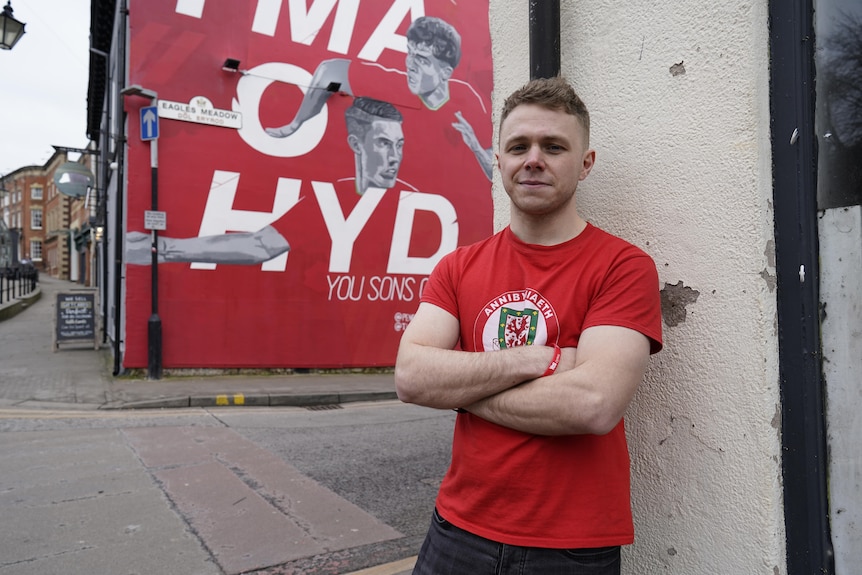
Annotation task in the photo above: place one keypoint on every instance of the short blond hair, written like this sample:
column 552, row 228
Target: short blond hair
column 553, row 93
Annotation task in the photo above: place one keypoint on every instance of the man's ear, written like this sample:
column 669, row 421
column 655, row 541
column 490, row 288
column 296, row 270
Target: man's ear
column 447, row 72
column 354, row 144
column 589, row 162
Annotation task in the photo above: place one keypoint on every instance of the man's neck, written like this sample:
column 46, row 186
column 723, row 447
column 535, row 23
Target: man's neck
column 437, row 98
column 547, row 230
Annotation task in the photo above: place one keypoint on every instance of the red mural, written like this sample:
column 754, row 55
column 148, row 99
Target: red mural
column 309, row 193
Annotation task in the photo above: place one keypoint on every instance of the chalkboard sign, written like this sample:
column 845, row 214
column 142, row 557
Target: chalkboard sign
column 75, row 318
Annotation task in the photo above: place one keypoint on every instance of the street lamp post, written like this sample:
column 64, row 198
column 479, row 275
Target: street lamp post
column 11, row 29
column 154, row 325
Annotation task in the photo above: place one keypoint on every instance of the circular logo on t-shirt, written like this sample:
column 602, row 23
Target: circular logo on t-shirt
column 522, row 317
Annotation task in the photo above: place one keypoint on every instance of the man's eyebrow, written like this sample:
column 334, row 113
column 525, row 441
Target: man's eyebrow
column 543, row 140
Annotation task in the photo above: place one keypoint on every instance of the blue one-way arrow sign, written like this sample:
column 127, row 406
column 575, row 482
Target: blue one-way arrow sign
column 149, row 123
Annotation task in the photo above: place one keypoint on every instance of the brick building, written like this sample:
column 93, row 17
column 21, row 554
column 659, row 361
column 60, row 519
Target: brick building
column 45, row 227
column 57, row 207
column 23, row 212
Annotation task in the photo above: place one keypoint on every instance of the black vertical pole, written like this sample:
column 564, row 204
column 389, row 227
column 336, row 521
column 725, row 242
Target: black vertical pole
column 794, row 157
column 102, row 217
column 154, row 325
column 544, row 38
column 120, row 188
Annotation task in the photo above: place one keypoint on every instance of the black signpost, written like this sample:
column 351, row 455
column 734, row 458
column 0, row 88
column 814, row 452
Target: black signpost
column 75, row 318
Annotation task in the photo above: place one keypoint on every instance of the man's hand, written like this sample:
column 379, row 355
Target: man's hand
column 589, row 392
column 467, row 132
column 485, row 157
column 429, row 372
column 270, row 242
column 568, row 358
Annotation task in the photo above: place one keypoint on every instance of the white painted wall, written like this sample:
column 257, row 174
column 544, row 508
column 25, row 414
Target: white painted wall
column 684, row 171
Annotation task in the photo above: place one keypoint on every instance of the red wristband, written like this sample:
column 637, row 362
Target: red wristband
column 555, row 361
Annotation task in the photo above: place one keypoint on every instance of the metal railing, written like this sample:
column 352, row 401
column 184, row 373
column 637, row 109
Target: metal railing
column 17, row 282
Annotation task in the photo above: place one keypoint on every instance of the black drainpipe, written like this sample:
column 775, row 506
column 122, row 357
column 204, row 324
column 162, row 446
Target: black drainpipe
column 105, row 172
column 120, row 189
column 105, row 144
column 544, row 38
column 794, row 169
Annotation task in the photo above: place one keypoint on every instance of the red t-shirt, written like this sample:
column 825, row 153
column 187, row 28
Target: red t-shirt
column 523, row 489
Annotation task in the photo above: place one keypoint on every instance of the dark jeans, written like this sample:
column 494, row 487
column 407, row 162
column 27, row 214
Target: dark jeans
column 449, row 550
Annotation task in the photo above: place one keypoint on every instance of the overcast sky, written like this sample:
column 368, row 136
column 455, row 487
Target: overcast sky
column 43, row 82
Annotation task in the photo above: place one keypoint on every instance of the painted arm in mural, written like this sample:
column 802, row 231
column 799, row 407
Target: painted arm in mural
column 328, row 74
column 485, row 156
column 243, row 248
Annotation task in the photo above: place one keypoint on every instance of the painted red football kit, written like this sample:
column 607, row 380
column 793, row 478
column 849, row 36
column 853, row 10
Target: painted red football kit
column 432, row 130
column 523, row 489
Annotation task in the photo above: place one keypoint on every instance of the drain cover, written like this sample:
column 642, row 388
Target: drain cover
column 324, row 407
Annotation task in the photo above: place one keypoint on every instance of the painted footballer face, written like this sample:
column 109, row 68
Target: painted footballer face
column 380, row 153
column 425, row 72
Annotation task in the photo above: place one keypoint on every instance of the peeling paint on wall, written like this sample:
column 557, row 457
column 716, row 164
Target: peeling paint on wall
column 677, row 69
column 769, row 279
column 674, row 298
column 769, row 252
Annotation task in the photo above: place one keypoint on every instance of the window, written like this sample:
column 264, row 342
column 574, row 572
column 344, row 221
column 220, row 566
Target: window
column 839, row 93
column 36, row 193
column 36, row 219
column 36, row 250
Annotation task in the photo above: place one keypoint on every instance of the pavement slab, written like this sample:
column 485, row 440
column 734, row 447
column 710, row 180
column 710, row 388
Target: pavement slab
column 75, row 503
column 230, row 491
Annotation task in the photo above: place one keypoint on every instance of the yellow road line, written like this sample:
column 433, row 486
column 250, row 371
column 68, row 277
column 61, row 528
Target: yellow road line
column 224, row 399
